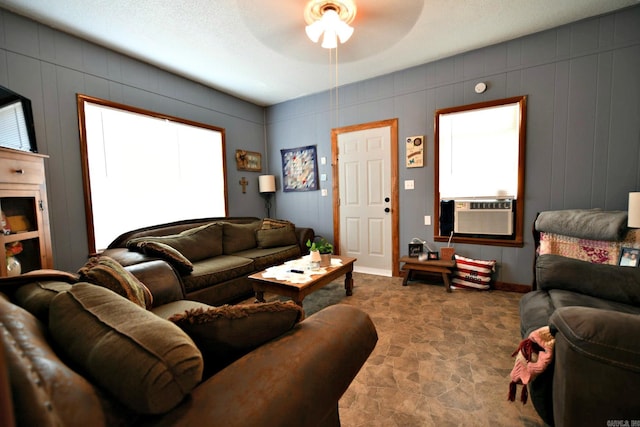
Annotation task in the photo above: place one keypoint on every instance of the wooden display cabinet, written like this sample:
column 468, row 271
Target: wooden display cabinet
column 23, row 201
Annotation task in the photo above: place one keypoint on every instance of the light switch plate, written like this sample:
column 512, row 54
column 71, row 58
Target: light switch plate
column 323, row 177
column 323, row 160
column 408, row 184
column 324, row 192
column 427, row 220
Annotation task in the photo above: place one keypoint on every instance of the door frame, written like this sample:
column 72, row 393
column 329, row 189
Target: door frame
column 395, row 198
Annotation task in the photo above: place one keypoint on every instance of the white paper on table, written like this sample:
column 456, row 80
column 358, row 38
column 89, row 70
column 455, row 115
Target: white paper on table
column 283, row 272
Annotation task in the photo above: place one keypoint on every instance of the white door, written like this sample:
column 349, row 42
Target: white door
column 365, row 199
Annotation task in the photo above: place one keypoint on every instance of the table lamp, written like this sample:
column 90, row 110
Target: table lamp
column 267, row 187
column 633, row 214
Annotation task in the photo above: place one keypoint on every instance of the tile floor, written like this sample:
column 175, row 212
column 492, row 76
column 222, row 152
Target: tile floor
column 442, row 359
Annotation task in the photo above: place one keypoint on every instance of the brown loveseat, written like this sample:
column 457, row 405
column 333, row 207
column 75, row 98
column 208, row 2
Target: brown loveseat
column 220, row 254
column 79, row 354
column 592, row 306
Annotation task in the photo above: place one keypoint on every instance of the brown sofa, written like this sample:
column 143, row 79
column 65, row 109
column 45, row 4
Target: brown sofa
column 79, row 354
column 222, row 254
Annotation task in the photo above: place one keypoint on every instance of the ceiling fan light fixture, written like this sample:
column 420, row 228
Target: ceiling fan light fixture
column 331, row 18
column 314, row 31
column 330, row 40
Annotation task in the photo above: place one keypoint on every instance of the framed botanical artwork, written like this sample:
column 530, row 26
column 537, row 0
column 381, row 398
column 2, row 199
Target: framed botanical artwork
column 248, row 161
column 300, row 169
column 415, row 151
column 629, row 257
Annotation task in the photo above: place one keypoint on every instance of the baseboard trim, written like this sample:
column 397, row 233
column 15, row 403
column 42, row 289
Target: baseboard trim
column 498, row 286
column 511, row 287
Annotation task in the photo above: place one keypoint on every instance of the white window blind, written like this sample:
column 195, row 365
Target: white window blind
column 479, row 153
column 145, row 170
column 13, row 127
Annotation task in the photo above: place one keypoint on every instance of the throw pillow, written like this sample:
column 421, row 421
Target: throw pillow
column 274, row 237
column 270, row 223
column 107, row 272
column 145, row 362
column 169, row 254
column 195, row 244
column 226, row 333
column 472, row 273
column 239, row 237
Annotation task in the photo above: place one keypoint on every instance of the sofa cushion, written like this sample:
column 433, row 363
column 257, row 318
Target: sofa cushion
column 225, row 333
column 275, row 237
column 238, row 237
column 195, row 244
column 472, row 273
column 212, row 271
column 107, row 272
column 145, row 362
column 263, row 258
column 167, row 253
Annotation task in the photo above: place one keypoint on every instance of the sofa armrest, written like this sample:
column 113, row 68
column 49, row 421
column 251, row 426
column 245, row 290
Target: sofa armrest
column 159, row 276
column 304, row 234
column 597, row 366
column 161, row 279
column 296, row 379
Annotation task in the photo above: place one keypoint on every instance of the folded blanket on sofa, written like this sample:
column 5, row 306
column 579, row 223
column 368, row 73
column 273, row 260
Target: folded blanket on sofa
column 594, row 224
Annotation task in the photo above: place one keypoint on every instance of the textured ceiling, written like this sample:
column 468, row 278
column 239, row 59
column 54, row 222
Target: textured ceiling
column 257, row 49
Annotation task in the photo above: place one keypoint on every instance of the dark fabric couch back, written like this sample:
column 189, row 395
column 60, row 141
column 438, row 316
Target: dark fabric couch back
column 174, row 228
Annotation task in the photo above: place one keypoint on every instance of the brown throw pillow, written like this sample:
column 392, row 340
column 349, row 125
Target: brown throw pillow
column 107, row 272
column 195, row 244
column 145, row 362
column 270, row 223
column 226, row 333
column 169, row 254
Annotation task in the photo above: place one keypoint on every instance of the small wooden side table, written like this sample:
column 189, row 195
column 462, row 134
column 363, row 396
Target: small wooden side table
column 443, row 266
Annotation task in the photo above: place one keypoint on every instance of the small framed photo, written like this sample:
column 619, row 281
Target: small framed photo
column 248, row 161
column 415, row 249
column 433, row 256
column 629, row 257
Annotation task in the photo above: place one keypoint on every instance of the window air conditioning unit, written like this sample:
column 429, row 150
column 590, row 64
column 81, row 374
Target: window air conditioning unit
column 494, row 217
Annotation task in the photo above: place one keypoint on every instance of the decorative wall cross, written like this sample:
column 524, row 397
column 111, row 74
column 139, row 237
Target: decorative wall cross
column 244, row 184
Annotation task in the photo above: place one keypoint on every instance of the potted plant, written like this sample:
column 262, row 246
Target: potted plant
column 323, row 247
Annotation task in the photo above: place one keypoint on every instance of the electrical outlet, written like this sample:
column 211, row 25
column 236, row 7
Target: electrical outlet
column 427, row 220
column 409, row 184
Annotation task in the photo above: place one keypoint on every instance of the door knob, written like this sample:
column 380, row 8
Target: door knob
column 386, row 199
column 387, row 210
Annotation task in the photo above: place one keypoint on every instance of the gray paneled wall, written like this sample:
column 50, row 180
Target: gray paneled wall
column 583, row 134
column 51, row 67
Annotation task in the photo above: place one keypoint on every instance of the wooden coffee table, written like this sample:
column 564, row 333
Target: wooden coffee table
column 298, row 291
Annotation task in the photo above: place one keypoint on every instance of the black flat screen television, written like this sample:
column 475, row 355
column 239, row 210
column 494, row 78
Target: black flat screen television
column 16, row 122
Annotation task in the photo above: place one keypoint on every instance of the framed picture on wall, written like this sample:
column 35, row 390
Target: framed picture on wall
column 300, row 169
column 248, row 161
column 629, row 257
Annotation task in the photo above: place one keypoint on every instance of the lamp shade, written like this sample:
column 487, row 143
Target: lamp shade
column 267, row 183
column 633, row 214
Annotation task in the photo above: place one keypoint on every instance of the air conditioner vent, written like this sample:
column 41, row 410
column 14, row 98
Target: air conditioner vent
column 491, row 217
